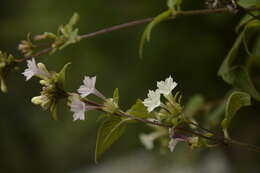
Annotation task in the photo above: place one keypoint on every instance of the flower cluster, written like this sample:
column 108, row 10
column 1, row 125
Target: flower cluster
column 77, row 106
column 52, row 82
column 170, row 112
column 7, row 63
column 165, row 88
column 26, row 47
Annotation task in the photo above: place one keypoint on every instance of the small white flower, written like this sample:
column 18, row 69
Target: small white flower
column 89, row 87
column 172, row 144
column 166, row 87
column 33, row 70
column 153, row 100
column 148, row 139
column 79, row 108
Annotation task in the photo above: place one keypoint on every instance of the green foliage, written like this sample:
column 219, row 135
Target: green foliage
column 249, row 3
column 147, row 32
column 139, row 110
column 116, row 96
column 62, row 76
column 235, row 101
column 236, row 74
column 110, row 131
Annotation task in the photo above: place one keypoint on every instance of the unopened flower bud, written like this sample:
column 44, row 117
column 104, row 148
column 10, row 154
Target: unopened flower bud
column 110, row 106
column 36, row 100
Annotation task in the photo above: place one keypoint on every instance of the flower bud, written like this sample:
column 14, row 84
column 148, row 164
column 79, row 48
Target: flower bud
column 110, row 106
column 36, row 100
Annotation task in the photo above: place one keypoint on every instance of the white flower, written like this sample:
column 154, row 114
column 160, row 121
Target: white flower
column 148, row 139
column 79, row 108
column 89, row 87
column 153, row 100
column 166, row 87
column 33, row 70
column 172, row 144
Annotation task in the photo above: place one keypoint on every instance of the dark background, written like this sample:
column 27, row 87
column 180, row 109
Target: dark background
column 190, row 49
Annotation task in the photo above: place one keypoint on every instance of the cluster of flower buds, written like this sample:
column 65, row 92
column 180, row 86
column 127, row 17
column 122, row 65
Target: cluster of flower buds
column 53, row 85
column 27, row 47
column 7, row 63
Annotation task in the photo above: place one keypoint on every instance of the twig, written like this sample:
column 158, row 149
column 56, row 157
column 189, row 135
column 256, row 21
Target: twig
column 141, row 21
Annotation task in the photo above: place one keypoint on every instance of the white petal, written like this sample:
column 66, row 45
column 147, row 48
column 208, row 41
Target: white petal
column 166, row 87
column 147, row 140
column 33, row 70
column 172, row 144
column 79, row 116
column 152, row 101
column 88, row 86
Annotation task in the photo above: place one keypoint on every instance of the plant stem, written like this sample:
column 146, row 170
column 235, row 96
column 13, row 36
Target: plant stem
column 222, row 141
column 138, row 22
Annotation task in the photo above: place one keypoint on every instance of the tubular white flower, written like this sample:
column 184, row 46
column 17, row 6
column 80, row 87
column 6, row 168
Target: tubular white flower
column 33, row 70
column 166, row 87
column 172, row 144
column 79, row 108
column 148, row 139
column 153, row 100
column 88, row 88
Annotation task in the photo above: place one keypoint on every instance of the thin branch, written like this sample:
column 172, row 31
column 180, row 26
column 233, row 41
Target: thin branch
column 141, row 21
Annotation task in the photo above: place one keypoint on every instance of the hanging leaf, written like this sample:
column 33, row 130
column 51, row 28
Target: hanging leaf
column 111, row 130
column 235, row 101
column 236, row 74
column 147, row 32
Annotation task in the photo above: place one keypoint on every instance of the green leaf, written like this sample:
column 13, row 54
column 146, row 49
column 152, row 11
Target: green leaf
column 73, row 20
column 174, row 4
column 72, row 38
column 235, row 101
column 116, row 96
column 147, row 32
column 139, row 110
column 235, row 74
column 246, row 19
column 249, row 3
column 193, row 105
column 251, row 29
column 62, row 75
column 111, row 130
column 53, row 110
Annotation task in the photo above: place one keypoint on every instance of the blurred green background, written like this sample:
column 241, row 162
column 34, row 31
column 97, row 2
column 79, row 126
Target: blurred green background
column 190, row 49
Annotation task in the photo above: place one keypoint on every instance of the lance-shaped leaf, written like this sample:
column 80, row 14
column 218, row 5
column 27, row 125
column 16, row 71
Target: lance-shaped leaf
column 147, row 32
column 108, row 133
column 116, row 96
column 235, row 101
column 62, row 75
